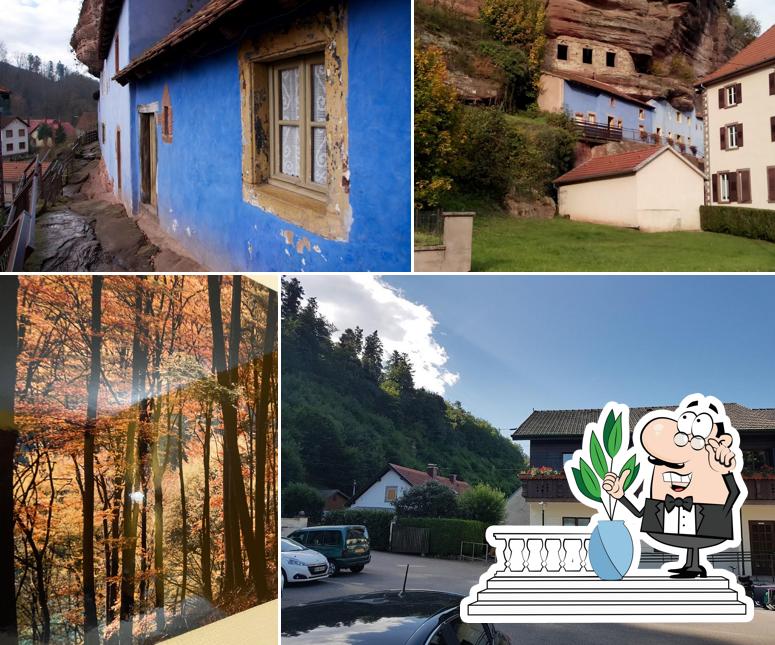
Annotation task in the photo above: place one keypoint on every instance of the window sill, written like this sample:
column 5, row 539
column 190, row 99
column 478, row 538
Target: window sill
column 309, row 213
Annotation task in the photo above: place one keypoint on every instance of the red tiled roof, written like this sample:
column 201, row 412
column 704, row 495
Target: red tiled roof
column 13, row 170
column 418, row 477
column 599, row 85
column 759, row 52
column 610, row 166
column 53, row 123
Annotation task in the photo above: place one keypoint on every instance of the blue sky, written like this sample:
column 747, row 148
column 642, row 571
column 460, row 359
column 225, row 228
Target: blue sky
column 516, row 343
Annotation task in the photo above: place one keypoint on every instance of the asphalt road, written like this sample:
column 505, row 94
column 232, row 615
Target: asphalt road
column 386, row 571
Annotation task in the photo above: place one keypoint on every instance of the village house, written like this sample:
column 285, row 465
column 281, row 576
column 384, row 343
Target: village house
column 739, row 104
column 14, row 136
column 260, row 136
column 38, row 140
column 683, row 129
column 395, row 480
column 12, row 174
column 554, row 435
column 652, row 189
column 333, row 499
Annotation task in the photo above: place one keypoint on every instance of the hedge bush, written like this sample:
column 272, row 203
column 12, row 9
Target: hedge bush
column 447, row 534
column 755, row 223
column 377, row 522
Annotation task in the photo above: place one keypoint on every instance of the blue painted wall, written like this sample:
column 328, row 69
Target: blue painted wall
column 690, row 126
column 583, row 99
column 114, row 110
column 199, row 176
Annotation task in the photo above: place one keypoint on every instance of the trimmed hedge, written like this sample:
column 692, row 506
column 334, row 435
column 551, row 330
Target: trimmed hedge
column 755, row 223
column 377, row 522
column 447, row 534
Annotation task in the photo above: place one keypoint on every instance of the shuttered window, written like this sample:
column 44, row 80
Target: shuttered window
column 744, row 178
column 731, row 136
column 723, row 137
column 722, row 103
column 723, row 181
column 771, row 184
column 714, row 187
column 732, row 179
column 772, row 128
column 772, row 82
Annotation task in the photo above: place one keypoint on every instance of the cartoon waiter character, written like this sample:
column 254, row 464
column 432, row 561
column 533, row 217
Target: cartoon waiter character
column 695, row 491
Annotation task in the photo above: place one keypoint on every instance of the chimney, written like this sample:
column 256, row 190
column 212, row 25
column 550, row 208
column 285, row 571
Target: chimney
column 432, row 470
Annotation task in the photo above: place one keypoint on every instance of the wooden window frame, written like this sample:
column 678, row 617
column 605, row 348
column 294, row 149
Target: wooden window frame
column 722, row 175
column 731, row 95
column 740, row 193
column 304, row 183
column 394, row 489
column 770, row 189
column 731, row 130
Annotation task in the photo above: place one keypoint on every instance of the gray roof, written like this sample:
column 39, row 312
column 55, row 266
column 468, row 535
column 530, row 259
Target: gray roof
column 328, row 492
column 571, row 423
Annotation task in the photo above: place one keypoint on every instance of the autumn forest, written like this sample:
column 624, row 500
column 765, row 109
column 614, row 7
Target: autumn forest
column 138, row 443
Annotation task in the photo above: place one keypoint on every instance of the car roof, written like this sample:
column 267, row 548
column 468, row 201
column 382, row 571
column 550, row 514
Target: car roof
column 386, row 616
column 331, row 527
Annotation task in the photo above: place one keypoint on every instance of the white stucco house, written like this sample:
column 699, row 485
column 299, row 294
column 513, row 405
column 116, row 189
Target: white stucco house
column 395, row 480
column 14, row 136
column 651, row 189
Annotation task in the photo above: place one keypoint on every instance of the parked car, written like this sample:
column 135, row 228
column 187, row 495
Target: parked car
column 346, row 547
column 386, row 617
column 300, row 564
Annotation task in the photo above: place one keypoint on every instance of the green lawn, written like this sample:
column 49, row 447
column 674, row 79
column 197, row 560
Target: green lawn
column 503, row 243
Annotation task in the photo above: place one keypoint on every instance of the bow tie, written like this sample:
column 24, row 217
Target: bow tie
column 684, row 502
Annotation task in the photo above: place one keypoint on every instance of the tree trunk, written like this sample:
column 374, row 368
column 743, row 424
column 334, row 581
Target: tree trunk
column 90, row 625
column 9, row 288
column 131, row 508
column 207, row 579
column 262, row 432
column 183, row 513
column 158, row 524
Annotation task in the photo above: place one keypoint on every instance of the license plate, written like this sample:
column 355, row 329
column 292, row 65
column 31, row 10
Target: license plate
column 359, row 550
column 319, row 569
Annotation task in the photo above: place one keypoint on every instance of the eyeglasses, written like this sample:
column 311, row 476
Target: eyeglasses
column 681, row 439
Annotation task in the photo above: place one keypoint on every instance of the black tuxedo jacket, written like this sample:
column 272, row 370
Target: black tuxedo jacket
column 713, row 520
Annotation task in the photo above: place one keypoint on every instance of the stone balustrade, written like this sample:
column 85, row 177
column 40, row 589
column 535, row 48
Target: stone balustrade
column 542, row 550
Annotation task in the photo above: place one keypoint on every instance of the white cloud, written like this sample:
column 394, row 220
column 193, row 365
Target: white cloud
column 764, row 10
column 369, row 302
column 41, row 27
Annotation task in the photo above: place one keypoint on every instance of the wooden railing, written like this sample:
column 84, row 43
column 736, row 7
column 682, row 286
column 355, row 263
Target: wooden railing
column 18, row 235
column 551, row 487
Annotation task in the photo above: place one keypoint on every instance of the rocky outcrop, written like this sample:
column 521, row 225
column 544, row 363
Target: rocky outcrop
column 662, row 46
column 85, row 38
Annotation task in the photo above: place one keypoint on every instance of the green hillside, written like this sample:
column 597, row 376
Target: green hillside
column 347, row 413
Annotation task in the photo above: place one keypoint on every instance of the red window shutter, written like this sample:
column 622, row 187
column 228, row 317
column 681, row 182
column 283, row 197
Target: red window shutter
column 745, row 186
column 739, row 93
column 771, row 183
column 714, row 186
column 722, row 98
column 772, row 83
column 732, row 176
column 739, row 128
column 723, row 133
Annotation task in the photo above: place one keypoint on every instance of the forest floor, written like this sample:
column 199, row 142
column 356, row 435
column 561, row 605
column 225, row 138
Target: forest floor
column 89, row 230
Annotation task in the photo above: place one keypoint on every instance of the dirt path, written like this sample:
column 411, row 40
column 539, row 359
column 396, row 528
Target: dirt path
column 88, row 230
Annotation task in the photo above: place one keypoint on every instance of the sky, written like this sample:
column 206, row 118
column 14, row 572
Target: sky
column 506, row 345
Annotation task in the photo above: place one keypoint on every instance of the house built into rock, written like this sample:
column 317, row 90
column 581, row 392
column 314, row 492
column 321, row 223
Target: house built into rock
column 261, row 136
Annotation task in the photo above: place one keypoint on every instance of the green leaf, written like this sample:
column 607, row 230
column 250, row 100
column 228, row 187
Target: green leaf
column 632, row 466
column 598, row 456
column 612, row 435
column 631, row 478
column 587, row 482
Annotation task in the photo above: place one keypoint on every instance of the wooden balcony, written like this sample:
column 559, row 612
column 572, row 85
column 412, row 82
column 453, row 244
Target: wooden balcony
column 536, row 488
column 598, row 133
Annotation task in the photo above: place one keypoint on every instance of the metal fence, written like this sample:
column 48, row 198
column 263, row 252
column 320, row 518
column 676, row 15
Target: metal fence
column 599, row 133
column 476, row 551
column 428, row 228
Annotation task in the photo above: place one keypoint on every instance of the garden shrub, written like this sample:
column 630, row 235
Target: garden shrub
column 447, row 534
column 301, row 498
column 755, row 223
column 377, row 522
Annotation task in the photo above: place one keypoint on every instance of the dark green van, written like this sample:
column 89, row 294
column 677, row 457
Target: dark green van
column 346, row 547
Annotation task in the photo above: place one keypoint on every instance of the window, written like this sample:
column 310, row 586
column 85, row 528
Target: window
column 591, row 118
column 391, row 493
column 619, row 124
column 21, row 132
column 678, row 116
column 324, row 538
column 297, row 94
column 103, row 133
column 611, row 122
column 612, row 101
column 22, row 145
column 9, row 147
column 456, row 632
column 575, row 521
column 567, row 456
column 9, row 133
column 586, row 56
column 755, row 459
column 772, row 128
column 688, row 119
column 772, row 83
column 166, row 116
column 641, row 114
column 580, row 117
column 732, row 95
column 724, row 186
column 562, row 52
column 115, row 53
column 731, row 137
column 610, row 59
column 771, row 184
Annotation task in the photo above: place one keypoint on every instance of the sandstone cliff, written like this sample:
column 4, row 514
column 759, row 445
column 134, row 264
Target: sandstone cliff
column 662, row 46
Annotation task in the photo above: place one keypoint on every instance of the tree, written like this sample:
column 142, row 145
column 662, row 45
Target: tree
column 9, row 287
column 484, row 504
column 59, row 135
column 61, row 71
column 398, row 372
column 293, row 294
column 44, row 132
column 744, row 29
column 351, row 342
column 435, row 119
column 301, row 498
column 430, row 499
column 3, row 52
column 372, row 357
column 90, row 624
